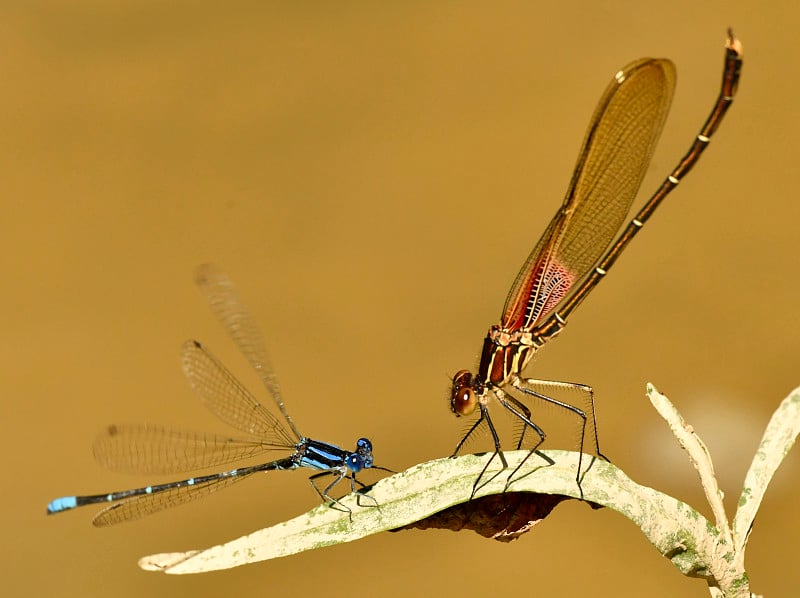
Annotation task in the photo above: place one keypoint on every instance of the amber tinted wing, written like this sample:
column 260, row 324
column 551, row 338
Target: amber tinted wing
column 613, row 160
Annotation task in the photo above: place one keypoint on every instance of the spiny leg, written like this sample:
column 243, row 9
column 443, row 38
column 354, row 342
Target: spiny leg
column 461, row 442
column 339, row 475
column 525, row 387
column 483, row 417
column 585, row 390
column 359, row 494
column 523, row 413
column 497, row 450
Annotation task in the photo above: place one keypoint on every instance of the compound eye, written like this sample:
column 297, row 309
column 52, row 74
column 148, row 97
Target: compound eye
column 355, row 463
column 464, row 401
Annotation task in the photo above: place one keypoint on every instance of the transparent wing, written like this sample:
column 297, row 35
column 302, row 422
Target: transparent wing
column 146, row 504
column 150, row 449
column 228, row 399
column 224, row 300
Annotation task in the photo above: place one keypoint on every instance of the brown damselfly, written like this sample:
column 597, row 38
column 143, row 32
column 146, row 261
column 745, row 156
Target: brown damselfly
column 576, row 251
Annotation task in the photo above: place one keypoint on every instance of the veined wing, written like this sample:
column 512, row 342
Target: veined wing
column 613, row 160
column 140, row 506
column 229, row 400
column 135, row 448
column 224, row 300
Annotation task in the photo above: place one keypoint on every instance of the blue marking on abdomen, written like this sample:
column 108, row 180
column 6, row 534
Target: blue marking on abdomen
column 62, row 504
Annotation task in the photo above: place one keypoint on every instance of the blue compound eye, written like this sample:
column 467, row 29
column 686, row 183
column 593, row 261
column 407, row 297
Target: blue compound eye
column 364, row 444
column 355, row 463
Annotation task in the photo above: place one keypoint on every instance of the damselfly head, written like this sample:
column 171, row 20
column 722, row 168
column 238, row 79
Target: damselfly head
column 362, row 458
column 463, row 399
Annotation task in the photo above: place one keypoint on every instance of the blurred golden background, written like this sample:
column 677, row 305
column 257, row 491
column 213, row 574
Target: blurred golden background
column 372, row 177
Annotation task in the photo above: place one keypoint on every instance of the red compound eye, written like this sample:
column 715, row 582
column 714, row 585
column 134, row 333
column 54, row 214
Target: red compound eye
column 464, row 401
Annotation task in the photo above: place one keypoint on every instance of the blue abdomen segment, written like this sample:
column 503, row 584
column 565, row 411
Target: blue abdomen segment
column 65, row 503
